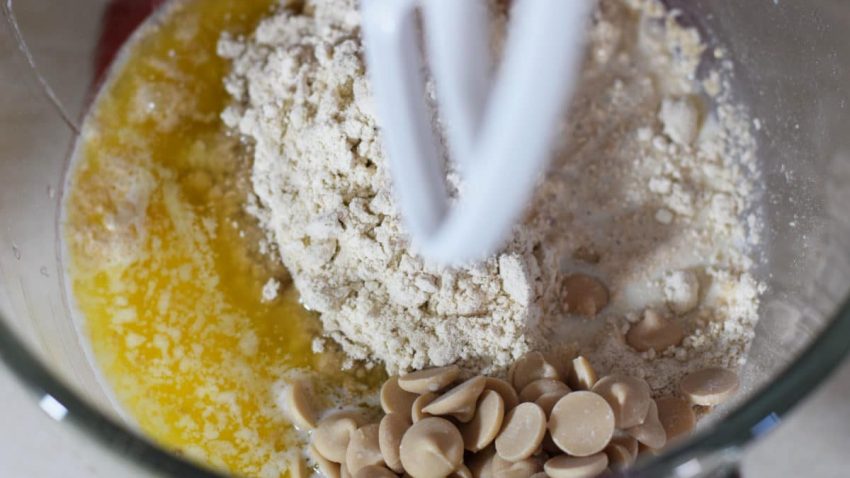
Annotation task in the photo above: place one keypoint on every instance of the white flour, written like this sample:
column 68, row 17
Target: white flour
column 649, row 192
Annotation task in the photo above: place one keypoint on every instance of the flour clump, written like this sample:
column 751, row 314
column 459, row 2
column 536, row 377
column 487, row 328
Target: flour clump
column 640, row 139
column 324, row 195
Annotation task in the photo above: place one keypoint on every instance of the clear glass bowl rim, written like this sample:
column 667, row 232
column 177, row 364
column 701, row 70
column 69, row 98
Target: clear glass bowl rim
column 764, row 407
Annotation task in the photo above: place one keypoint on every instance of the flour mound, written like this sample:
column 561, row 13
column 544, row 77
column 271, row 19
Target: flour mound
column 324, row 192
column 646, row 193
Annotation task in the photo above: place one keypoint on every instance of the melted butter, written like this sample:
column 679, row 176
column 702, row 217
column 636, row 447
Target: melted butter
column 164, row 263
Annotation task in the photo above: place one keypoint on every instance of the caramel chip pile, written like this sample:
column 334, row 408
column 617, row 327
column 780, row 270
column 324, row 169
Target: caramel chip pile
column 532, row 425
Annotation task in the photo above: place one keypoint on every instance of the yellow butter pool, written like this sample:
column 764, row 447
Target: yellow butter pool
column 166, row 268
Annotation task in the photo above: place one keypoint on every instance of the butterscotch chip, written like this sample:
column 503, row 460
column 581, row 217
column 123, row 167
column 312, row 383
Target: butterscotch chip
column 547, row 401
column 582, row 375
column 522, row 432
column 619, row 456
column 562, row 360
column 375, row 472
column 538, row 388
column 505, row 390
column 676, row 416
column 515, row 469
column 333, row 433
column 431, row 447
column 643, row 449
column 429, row 380
column 422, row 401
column 549, row 446
column 532, row 366
column 462, row 472
column 584, row 295
column 326, row 467
column 629, row 397
column 709, row 386
column 394, row 399
column 654, row 332
column 458, row 402
column 481, row 463
column 650, row 432
column 392, row 428
column 539, row 450
column 363, row 449
column 576, row 467
column 299, row 408
column 581, row 423
column 626, row 441
column 485, row 425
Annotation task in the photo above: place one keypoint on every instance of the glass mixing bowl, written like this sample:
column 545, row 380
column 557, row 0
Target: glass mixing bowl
column 792, row 61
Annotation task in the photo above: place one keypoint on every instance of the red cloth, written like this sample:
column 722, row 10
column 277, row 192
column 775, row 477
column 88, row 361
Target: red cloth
column 119, row 22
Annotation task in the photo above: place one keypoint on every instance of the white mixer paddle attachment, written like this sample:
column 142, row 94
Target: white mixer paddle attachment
column 500, row 127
